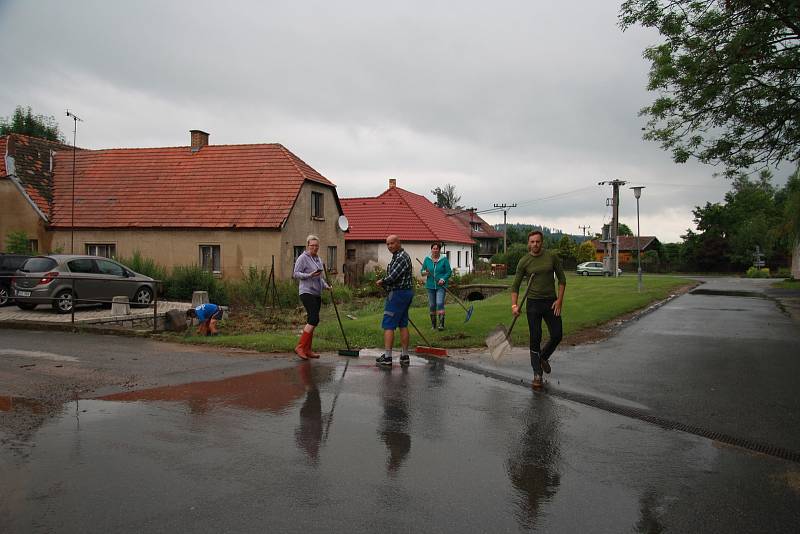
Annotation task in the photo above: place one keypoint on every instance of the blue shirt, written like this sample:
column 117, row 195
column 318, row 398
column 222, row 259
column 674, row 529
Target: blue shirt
column 205, row 311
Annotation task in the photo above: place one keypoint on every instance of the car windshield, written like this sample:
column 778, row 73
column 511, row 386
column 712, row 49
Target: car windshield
column 38, row 265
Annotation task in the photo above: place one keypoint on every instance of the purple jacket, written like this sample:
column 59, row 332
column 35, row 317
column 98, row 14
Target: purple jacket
column 305, row 265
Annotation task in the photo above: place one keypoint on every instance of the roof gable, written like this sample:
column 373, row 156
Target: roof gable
column 218, row 186
column 466, row 219
column 627, row 242
column 396, row 211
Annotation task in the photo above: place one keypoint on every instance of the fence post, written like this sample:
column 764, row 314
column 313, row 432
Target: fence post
column 155, row 307
column 74, row 302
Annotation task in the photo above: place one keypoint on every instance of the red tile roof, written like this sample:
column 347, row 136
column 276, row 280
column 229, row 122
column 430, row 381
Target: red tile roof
column 396, row 211
column 3, row 145
column 219, row 186
column 32, row 165
column 466, row 218
column 627, row 242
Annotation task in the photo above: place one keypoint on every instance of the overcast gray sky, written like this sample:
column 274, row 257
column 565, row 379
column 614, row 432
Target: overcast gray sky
column 508, row 101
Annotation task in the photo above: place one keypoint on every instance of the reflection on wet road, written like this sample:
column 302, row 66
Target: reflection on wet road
column 345, row 446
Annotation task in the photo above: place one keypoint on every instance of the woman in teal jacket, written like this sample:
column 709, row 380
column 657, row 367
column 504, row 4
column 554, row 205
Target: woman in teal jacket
column 437, row 270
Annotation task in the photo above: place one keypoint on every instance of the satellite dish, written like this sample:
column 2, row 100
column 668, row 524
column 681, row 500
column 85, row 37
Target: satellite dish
column 343, row 223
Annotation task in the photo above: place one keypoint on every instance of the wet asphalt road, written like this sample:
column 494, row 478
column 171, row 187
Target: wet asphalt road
column 723, row 358
column 242, row 443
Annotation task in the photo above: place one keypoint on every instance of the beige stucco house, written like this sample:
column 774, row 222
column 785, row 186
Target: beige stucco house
column 224, row 207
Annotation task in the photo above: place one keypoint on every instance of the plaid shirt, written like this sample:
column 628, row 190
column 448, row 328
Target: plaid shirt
column 399, row 272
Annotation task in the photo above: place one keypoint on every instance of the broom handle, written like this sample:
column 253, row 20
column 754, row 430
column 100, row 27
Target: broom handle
column 428, row 343
column 519, row 306
column 452, row 294
column 325, row 269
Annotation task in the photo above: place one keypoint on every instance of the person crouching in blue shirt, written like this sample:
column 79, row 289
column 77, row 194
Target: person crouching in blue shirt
column 208, row 315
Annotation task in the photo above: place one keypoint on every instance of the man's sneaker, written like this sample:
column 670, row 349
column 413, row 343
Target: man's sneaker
column 545, row 365
column 405, row 360
column 384, row 360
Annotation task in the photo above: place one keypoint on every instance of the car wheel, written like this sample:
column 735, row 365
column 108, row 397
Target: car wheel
column 63, row 302
column 585, row 273
column 143, row 296
column 25, row 305
column 3, row 295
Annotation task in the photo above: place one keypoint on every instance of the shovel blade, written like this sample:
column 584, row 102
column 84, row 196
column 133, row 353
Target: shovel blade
column 498, row 343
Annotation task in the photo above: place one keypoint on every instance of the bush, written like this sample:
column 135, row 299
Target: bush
column 511, row 257
column 755, row 272
column 367, row 286
column 17, row 243
column 185, row 279
column 145, row 266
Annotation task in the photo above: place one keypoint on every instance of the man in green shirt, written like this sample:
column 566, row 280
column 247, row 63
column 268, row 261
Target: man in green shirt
column 542, row 301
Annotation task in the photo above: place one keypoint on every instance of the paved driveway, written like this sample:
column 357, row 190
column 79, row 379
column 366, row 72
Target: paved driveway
column 88, row 315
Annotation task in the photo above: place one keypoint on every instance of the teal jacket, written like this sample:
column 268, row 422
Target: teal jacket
column 441, row 272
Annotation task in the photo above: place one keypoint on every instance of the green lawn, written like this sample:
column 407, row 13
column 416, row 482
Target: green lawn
column 788, row 283
column 589, row 301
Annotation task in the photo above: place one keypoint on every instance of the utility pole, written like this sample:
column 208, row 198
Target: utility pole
column 505, row 208
column 614, row 233
column 75, row 120
column 584, row 228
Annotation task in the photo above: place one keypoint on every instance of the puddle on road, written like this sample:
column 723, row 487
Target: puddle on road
column 430, row 447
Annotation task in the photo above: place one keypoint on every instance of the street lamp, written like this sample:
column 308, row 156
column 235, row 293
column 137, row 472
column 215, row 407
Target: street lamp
column 75, row 120
column 637, row 192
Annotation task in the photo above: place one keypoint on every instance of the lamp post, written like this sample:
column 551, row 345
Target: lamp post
column 75, row 120
column 637, row 192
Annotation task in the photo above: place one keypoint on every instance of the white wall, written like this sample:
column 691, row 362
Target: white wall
column 419, row 251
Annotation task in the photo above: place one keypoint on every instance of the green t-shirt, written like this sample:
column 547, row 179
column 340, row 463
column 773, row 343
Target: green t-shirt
column 547, row 267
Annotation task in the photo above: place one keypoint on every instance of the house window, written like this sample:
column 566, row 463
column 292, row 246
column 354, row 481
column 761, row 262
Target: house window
column 466, row 259
column 298, row 249
column 476, row 227
column 210, row 259
column 448, row 256
column 458, row 260
column 351, row 254
column 332, row 259
column 33, row 246
column 317, row 207
column 107, row 250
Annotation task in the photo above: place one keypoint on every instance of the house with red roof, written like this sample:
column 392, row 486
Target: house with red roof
column 415, row 219
column 627, row 247
column 224, row 207
column 487, row 239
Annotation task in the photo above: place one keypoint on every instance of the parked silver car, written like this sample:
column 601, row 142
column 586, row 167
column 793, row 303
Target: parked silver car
column 52, row 280
column 594, row 267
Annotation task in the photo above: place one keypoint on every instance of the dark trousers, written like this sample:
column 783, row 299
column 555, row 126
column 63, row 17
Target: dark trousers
column 538, row 309
column 312, row 304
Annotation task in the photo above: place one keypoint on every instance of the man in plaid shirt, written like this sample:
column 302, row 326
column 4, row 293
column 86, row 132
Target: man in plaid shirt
column 399, row 283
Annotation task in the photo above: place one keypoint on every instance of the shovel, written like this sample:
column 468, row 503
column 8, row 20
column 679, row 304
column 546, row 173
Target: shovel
column 499, row 339
column 452, row 294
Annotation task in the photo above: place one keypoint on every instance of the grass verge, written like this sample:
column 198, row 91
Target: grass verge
column 589, row 302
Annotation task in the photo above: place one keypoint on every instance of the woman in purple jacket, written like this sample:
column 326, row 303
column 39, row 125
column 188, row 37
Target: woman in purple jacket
column 310, row 271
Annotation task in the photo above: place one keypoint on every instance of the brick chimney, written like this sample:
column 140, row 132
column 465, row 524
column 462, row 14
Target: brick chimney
column 392, row 183
column 199, row 139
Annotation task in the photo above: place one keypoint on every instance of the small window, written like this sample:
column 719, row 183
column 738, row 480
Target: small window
column 82, row 265
column 102, row 250
column 466, row 258
column 33, row 246
column 109, row 267
column 38, row 265
column 210, row 258
column 476, row 227
column 317, row 206
column 332, row 259
column 458, row 260
column 448, row 255
column 298, row 249
column 351, row 254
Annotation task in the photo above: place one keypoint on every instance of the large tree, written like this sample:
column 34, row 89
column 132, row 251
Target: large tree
column 446, row 197
column 23, row 121
column 726, row 77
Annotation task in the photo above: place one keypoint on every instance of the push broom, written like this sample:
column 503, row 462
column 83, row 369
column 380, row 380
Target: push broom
column 342, row 352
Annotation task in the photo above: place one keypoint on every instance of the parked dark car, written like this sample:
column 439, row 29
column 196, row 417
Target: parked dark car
column 52, row 279
column 9, row 263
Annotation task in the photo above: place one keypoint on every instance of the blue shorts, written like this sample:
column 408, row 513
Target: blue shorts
column 395, row 313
